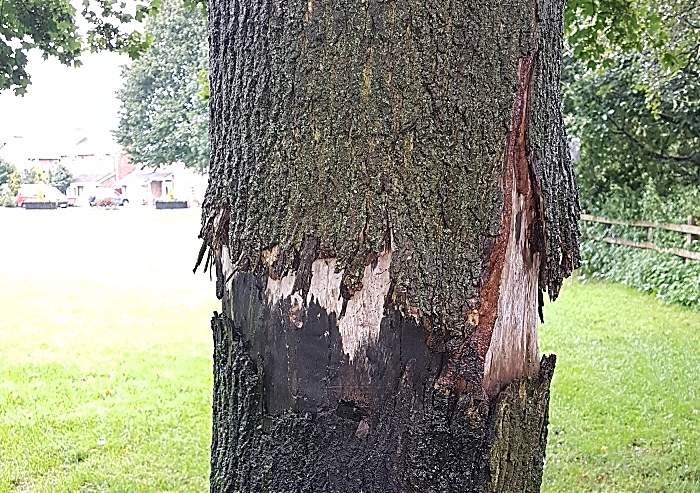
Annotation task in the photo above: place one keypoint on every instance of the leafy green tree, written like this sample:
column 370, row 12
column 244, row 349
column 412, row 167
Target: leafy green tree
column 30, row 175
column 14, row 182
column 7, row 170
column 52, row 27
column 638, row 117
column 163, row 116
column 596, row 29
column 60, row 178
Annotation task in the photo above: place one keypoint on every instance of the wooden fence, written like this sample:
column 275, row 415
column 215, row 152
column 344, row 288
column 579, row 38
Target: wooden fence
column 690, row 229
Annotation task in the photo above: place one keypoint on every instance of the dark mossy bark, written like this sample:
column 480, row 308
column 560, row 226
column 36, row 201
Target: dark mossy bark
column 390, row 192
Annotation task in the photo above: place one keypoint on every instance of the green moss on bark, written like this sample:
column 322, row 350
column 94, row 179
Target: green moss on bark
column 343, row 123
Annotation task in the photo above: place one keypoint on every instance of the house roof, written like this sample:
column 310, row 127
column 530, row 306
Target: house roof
column 140, row 178
column 92, row 178
column 21, row 149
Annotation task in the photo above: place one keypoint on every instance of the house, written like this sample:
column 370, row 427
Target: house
column 190, row 184
column 142, row 187
column 83, row 186
column 175, row 181
column 80, row 151
column 41, row 155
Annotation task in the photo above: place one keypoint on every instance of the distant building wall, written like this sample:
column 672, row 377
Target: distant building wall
column 109, row 182
column 157, row 189
column 124, row 166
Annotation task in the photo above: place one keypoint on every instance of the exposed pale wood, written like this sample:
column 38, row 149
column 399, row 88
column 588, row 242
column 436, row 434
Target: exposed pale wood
column 651, row 246
column 359, row 323
column 680, row 228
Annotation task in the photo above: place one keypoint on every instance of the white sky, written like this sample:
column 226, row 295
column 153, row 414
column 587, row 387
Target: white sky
column 61, row 99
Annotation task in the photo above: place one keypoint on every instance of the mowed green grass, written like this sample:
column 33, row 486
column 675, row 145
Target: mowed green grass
column 105, row 353
column 105, row 366
column 625, row 401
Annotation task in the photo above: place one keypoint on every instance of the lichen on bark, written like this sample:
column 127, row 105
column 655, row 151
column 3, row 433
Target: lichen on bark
column 346, row 122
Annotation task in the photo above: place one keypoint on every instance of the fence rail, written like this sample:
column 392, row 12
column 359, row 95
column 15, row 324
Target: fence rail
column 690, row 230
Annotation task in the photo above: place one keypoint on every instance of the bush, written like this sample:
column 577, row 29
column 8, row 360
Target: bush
column 105, row 202
column 7, row 198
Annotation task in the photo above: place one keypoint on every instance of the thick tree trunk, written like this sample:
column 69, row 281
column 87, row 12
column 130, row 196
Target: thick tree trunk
column 390, row 195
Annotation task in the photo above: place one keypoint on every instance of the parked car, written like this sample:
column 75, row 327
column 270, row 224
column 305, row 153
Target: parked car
column 41, row 191
column 104, row 196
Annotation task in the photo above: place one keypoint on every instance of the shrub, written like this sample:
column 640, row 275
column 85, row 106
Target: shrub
column 7, row 198
column 105, row 202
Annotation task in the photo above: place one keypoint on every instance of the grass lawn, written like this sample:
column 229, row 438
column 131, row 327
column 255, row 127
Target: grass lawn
column 105, row 366
column 625, row 406
column 105, row 358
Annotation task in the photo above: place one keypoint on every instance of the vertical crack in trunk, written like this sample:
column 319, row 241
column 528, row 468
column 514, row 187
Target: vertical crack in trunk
column 513, row 349
column 506, row 334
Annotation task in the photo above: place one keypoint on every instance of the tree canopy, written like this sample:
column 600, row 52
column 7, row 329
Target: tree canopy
column 163, row 117
column 9, row 175
column 60, row 177
column 638, row 114
column 53, row 27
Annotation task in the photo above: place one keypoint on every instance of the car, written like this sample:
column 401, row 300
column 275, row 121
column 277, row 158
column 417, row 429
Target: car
column 41, row 192
column 106, row 196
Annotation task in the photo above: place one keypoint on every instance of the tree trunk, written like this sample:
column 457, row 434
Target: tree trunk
column 390, row 195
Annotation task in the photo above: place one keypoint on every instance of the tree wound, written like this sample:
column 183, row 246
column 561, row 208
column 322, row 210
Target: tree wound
column 359, row 318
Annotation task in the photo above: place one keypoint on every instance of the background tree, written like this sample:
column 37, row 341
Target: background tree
column 596, row 29
column 30, row 175
column 9, row 175
column 61, row 178
column 638, row 114
column 163, row 118
column 390, row 195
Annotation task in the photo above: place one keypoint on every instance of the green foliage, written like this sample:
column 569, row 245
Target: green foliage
column 30, row 175
column 595, row 27
column 52, row 27
column 638, row 118
column 638, row 115
column 203, row 78
column 60, row 178
column 163, row 119
column 14, row 182
column 48, row 25
column 666, row 276
column 598, row 31
column 7, row 197
column 9, row 175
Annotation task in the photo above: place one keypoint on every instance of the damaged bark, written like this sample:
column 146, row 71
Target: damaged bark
column 390, row 195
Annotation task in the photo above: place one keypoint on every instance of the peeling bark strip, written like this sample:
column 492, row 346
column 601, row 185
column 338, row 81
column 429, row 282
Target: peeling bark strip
column 390, row 192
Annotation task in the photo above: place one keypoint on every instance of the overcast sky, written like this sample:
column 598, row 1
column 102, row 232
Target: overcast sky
column 61, row 99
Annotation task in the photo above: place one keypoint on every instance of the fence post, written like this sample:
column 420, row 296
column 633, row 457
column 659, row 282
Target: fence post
column 690, row 237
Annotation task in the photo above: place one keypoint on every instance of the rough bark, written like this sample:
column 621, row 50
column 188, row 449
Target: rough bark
column 390, row 195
